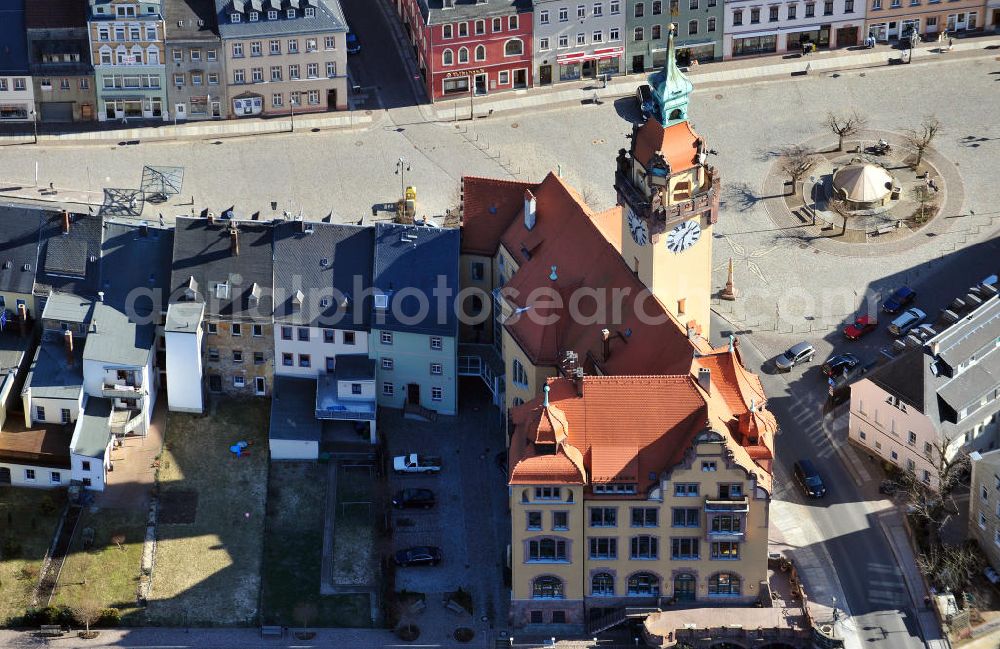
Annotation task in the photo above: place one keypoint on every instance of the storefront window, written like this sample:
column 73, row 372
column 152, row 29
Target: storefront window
column 569, row 72
column 608, row 66
column 13, row 111
column 756, row 45
column 452, row 86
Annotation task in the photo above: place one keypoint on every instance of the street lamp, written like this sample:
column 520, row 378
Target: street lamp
column 402, row 166
column 34, row 123
column 291, row 113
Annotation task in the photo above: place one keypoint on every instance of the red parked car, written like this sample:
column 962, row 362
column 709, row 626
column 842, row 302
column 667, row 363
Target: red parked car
column 861, row 326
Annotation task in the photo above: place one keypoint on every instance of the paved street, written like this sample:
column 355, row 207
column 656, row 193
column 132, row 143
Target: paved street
column 789, row 290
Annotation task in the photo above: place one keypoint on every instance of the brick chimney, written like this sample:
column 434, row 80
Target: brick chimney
column 65, row 221
column 68, row 344
column 234, row 241
column 22, row 312
column 605, row 344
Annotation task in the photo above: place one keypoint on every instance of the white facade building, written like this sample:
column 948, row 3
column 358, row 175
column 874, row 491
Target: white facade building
column 757, row 27
column 183, row 335
column 578, row 40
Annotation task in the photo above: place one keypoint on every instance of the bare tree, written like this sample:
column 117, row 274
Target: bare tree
column 950, row 567
column 924, row 197
column 844, row 126
column 796, row 161
column 920, row 138
column 935, row 508
column 590, row 197
column 87, row 610
column 118, row 539
column 840, row 208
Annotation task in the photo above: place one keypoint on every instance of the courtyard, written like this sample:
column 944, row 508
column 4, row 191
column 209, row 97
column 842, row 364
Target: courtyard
column 28, row 519
column 211, row 519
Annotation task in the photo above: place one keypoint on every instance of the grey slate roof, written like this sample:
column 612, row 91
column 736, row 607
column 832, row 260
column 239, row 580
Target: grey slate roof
column 114, row 339
column 93, row 431
column 14, row 53
column 434, row 13
column 354, row 367
column 190, row 20
column 12, row 350
column 70, row 262
column 184, row 317
column 203, row 251
column 324, row 264
column 971, row 335
column 329, row 18
column 19, row 232
column 66, row 307
column 904, row 377
column 414, row 257
column 51, row 377
column 136, row 257
column 293, row 410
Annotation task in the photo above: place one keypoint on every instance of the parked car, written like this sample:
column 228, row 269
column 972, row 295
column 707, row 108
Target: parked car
column 808, row 478
column 414, row 499
column 862, row 325
column 802, row 352
column 353, row 43
column 421, row 555
column 414, row 463
column 908, row 320
column 838, row 364
column 899, row 300
column 644, row 98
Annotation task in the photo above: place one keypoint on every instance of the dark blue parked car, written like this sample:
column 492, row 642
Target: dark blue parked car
column 899, row 300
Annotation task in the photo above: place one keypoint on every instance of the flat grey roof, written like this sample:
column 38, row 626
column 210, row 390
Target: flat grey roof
column 293, row 410
column 51, row 376
column 184, row 317
column 66, row 307
column 113, row 338
column 93, row 430
column 974, row 383
column 12, row 350
column 354, row 367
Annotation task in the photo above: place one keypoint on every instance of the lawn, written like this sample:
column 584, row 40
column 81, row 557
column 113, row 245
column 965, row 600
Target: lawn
column 293, row 548
column 105, row 571
column 354, row 538
column 28, row 518
column 209, row 538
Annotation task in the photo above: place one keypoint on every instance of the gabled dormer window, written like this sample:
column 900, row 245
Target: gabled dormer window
column 254, row 16
column 290, row 13
column 222, row 290
column 272, row 15
column 234, row 18
column 310, row 12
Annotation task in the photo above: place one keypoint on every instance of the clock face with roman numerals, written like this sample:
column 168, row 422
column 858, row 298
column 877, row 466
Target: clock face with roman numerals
column 638, row 227
column 683, row 236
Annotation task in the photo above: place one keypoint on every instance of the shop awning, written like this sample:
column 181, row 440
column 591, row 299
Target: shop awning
column 702, row 43
column 600, row 53
column 770, row 32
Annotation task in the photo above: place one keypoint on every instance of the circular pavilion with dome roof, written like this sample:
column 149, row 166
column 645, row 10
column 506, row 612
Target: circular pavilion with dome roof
column 863, row 185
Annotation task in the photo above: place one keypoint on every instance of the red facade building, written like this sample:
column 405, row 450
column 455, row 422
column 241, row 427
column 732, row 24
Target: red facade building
column 470, row 46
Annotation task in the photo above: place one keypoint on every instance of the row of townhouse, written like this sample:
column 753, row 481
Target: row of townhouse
column 79, row 345
column 640, row 455
column 79, row 60
column 479, row 47
column 329, row 320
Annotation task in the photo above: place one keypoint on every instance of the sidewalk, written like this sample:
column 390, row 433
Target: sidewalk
column 714, row 74
column 899, row 542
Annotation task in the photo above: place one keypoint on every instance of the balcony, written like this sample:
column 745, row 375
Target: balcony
column 720, row 535
column 729, row 505
column 122, row 391
column 699, row 202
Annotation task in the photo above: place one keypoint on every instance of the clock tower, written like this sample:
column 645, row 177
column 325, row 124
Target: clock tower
column 670, row 200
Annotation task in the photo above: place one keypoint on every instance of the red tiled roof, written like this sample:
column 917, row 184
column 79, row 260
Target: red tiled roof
column 488, row 207
column 625, row 427
column 677, row 143
column 645, row 339
column 609, row 222
column 546, row 469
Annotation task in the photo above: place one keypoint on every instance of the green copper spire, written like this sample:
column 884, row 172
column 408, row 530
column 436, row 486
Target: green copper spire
column 671, row 88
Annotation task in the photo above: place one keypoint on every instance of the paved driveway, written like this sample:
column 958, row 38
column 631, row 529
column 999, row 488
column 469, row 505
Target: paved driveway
column 470, row 522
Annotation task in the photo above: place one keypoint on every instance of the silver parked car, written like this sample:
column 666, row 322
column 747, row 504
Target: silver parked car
column 802, row 352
